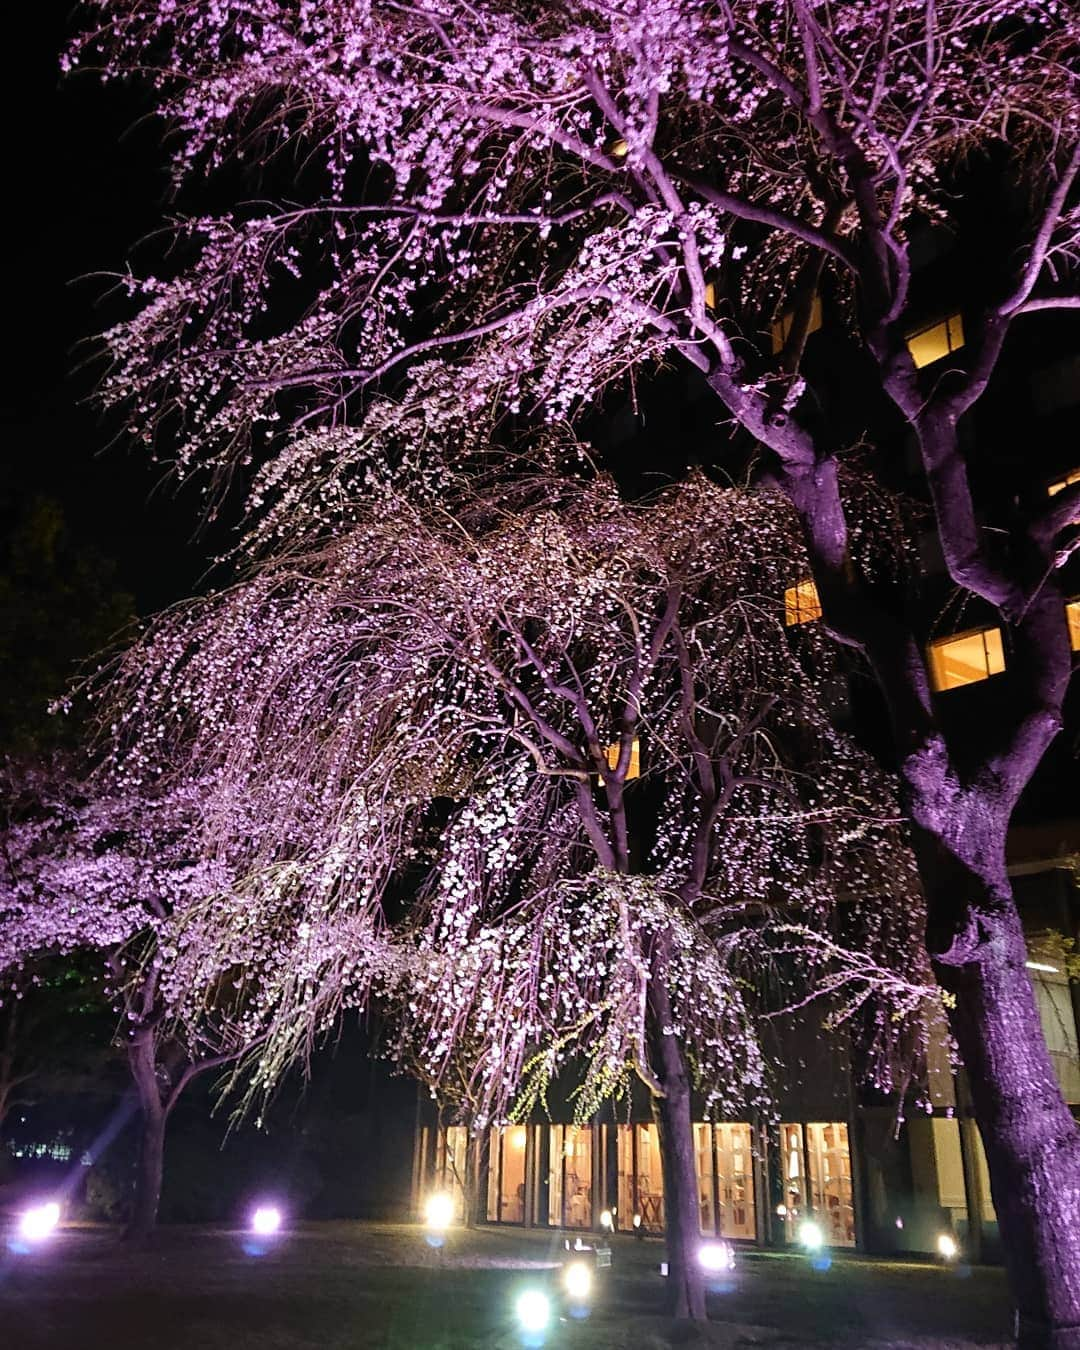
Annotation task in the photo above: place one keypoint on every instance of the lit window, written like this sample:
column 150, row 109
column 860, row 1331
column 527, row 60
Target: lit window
column 930, row 344
column 1072, row 613
column 617, row 148
column 966, row 658
column 781, row 328
column 710, row 295
column 801, row 603
column 1061, row 484
column 634, row 769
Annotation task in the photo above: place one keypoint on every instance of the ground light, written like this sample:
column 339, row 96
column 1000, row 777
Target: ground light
column 39, row 1222
column 715, row 1257
column 606, row 1220
column 948, row 1247
column 266, row 1220
column 533, row 1311
column 577, row 1281
column 810, row 1236
column 439, row 1212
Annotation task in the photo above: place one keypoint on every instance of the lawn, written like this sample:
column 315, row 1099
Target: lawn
column 368, row 1286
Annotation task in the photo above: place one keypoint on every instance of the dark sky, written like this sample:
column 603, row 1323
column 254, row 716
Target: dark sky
column 86, row 179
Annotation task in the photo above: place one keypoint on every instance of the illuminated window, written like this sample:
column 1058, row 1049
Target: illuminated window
column 710, row 295
column 1052, row 489
column 617, row 148
column 802, row 603
column 966, row 658
column 506, row 1175
column 1072, row 613
column 634, row 767
column 930, row 344
column 570, row 1185
column 780, row 328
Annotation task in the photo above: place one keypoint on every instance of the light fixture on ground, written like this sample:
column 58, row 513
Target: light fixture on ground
column 577, row 1281
column 533, row 1310
column 39, row 1222
column 606, row 1220
column 715, row 1257
column 948, row 1247
column 439, row 1211
column 811, row 1236
column 266, row 1220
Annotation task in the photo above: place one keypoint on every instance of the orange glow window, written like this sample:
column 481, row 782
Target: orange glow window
column 966, row 658
column 801, row 603
column 937, row 340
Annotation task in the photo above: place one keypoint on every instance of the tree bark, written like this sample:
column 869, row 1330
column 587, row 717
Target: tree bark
column 154, row 1116
column 1031, row 1139
column 672, row 1113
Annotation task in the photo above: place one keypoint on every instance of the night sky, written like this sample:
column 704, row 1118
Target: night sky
column 85, row 171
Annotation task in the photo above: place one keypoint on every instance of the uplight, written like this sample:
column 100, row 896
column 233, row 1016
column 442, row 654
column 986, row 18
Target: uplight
column 439, row 1211
column 716, row 1256
column 533, row 1311
column 266, row 1221
column 577, row 1281
column 811, row 1236
column 606, row 1220
column 40, row 1222
column 947, row 1246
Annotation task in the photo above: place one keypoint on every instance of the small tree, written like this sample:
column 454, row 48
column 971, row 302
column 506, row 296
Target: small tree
column 452, row 702
column 557, row 196
column 112, row 874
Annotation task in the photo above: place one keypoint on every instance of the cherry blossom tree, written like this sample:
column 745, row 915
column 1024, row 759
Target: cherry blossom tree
column 86, row 870
column 548, row 778
column 498, row 210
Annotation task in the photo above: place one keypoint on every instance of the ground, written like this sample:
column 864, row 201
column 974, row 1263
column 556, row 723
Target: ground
column 381, row 1287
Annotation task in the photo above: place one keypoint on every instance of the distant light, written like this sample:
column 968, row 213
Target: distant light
column 811, row 1236
column 716, row 1256
column 439, row 1211
column 899, row 1221
column 781, row 1211
column 577, row 1281
column 637, row 1220
column 40, row 1222
column 606, row 1220
column 533, row 1310
column 1042, row 966
column 266, row 1221
column 947, row 1246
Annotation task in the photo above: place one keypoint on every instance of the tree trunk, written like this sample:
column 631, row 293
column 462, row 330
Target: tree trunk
column 148, row 1173
column 1031, row 1140
column 682, row 1231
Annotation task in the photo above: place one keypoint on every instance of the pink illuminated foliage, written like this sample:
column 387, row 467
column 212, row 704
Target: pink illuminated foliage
column 498, row 210
column 432, row 713
column 86, row 869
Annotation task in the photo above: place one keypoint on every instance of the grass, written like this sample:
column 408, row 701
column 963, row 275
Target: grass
column 381, row 1287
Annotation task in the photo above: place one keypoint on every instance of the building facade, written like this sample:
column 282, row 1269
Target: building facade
column 873, row 1174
